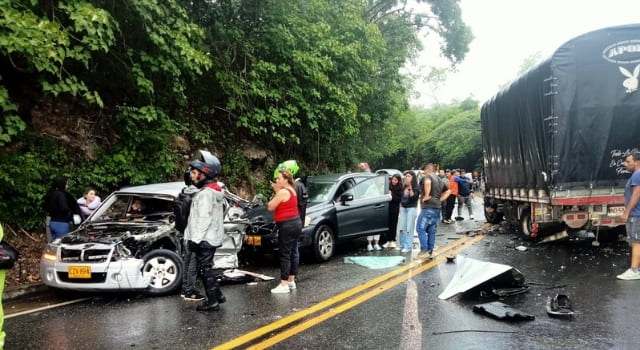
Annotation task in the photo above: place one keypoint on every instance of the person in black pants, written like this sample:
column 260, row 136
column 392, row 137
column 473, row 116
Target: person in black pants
column 205, row 227
column 395, row 190
column 285, row 207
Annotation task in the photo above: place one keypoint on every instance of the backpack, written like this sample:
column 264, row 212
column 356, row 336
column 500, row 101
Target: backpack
column 181, row 209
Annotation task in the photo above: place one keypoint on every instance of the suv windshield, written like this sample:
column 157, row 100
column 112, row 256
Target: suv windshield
column 319, row 191
column 132, row 207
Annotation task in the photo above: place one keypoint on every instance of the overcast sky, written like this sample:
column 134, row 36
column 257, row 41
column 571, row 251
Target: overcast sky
column 506, row 33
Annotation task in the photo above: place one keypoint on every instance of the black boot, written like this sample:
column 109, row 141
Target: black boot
column 209, row 305
column 219, row 297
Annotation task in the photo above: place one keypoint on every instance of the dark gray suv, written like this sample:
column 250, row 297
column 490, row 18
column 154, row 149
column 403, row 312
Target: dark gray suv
column 340, row 207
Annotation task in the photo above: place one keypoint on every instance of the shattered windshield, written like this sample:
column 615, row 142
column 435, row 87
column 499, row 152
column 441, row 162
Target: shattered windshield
column 133, row 208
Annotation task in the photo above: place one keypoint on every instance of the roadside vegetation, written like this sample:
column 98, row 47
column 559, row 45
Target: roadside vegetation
column 113, row 93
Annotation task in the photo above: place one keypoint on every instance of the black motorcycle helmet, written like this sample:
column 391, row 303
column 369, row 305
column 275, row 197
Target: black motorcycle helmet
column 205, row 162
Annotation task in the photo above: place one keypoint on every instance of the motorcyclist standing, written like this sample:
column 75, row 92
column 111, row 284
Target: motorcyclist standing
column 205, row 227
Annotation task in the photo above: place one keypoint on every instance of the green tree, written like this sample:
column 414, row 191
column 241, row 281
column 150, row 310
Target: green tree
column 121, row 67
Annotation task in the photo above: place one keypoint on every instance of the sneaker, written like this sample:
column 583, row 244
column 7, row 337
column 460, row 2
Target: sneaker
column 281, row 288
column 629, row 275
column 377, row 247
column 404, row 250
column 193, row 296
column 459, row 218
column 386, row 245
column 369, row 247
column 292, row 285
column 470, row 217
column 424, row 254
column 392, row 244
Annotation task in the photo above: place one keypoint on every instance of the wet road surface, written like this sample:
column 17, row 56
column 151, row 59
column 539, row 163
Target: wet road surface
column 346, row 306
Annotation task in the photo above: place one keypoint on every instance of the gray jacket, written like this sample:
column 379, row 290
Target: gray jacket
column 206, row 221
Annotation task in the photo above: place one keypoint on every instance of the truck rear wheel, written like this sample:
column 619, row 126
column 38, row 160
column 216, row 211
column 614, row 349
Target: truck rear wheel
column 491, row 214
column 527, row 228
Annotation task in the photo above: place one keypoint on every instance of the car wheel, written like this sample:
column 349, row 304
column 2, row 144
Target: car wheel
column 323, row 243
column 163, row 268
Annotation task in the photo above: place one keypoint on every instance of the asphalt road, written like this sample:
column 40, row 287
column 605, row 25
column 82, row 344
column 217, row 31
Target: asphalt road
column 346, row 306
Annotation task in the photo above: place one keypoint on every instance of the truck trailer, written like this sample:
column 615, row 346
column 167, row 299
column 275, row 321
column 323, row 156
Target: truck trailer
column 555, row 139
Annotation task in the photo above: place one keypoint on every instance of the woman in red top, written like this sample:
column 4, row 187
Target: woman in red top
column 285, row 207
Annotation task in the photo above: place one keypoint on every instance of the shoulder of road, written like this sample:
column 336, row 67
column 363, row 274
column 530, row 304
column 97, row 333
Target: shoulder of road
column 25, row 291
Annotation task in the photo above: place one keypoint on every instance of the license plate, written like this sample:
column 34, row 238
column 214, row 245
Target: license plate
column 254, row 240
column 616, row 211
column 79, row 271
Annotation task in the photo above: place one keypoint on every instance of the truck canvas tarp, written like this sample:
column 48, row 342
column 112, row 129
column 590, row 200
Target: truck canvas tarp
column 559, row 134
column 574, row 116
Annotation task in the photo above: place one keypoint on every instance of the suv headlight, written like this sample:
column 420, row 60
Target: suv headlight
column 50, row 252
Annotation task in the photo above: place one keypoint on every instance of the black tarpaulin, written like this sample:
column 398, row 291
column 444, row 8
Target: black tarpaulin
column 575, row 116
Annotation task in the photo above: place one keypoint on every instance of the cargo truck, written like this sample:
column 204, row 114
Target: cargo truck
column 555, row 139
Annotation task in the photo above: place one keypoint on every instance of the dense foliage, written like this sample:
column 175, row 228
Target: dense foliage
column 447, row 135
column 112, row 92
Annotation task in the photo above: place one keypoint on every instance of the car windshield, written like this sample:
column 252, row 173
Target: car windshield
column 133, row 207
column 319, row 191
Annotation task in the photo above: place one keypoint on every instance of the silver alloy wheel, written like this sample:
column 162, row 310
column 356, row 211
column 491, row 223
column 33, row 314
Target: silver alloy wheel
column 324, row 243
column 163, row 269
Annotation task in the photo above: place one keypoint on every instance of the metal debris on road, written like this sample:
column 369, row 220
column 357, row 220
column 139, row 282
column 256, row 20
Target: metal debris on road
column 502, row 311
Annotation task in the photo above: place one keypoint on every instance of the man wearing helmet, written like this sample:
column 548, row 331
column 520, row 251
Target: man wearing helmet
column 205, row 227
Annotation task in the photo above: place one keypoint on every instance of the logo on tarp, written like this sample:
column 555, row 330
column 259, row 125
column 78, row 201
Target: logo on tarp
column 631, row 83
column 625, row 52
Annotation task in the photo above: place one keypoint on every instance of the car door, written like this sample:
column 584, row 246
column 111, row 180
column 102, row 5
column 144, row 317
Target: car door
column 364, row 208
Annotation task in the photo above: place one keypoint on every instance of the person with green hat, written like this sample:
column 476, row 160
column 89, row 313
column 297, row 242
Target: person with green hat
column 301, row 192
column 301, row 189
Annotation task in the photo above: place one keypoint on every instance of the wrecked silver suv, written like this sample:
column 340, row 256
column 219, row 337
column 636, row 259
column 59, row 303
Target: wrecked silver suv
column 121, row 247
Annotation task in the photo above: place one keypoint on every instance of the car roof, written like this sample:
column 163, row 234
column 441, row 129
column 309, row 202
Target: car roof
column 338, row 177
column 166, row 188
column 388, row 171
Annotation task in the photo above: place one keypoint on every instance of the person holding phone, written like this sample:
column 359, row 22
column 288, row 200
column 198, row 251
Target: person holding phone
column 408, row 211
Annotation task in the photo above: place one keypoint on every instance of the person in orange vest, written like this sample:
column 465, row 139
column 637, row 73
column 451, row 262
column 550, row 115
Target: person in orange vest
column 451, row 200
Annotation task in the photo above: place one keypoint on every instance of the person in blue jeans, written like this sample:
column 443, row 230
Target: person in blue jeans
column 61, row 206
column 434, row 191
column 408, row 209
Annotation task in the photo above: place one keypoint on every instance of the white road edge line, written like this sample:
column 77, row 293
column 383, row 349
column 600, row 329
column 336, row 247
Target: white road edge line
column 45, row 308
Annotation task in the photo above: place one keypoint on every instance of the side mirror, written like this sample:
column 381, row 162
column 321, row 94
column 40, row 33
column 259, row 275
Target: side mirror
column 346, row 197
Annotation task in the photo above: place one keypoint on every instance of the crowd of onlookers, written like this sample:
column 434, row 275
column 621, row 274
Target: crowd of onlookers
column 406, row 191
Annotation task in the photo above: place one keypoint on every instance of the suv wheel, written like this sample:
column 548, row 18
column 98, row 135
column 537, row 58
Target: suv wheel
column 163, row 268
column 323, row 243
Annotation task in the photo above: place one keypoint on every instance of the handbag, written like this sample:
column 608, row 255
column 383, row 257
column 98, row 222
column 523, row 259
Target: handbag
column 8, row 256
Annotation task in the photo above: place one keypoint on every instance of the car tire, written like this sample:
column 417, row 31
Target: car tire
column 324, row 243
column 164, row 269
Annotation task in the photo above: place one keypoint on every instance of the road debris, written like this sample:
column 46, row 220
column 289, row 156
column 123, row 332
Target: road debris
column 502, row 311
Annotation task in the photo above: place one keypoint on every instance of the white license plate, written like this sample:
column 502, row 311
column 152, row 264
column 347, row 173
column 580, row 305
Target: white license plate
column 616, row 211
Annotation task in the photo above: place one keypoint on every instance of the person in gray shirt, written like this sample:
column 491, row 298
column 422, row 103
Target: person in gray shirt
column 434, row 192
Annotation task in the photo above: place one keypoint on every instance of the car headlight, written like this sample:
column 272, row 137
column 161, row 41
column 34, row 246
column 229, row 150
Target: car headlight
column 307, row 221
column 50, row 252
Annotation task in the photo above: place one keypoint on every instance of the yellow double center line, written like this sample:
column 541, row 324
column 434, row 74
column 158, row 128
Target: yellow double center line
column 451, row 248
